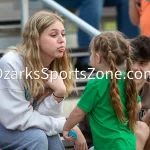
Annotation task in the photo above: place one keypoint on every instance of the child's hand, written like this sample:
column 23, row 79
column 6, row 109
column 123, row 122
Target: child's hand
column 55, row 82
column 68, row 138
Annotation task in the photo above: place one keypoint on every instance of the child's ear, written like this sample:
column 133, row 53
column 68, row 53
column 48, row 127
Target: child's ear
column 124, row 66
column 98, row 58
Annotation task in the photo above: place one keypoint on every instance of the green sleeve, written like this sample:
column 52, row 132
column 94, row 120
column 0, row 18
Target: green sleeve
column 89, row 98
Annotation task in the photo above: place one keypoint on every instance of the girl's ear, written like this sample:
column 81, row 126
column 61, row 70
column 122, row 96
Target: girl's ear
column 123, row 67
column 98, row 58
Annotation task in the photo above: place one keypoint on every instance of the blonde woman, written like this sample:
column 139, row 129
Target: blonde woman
column 31, row 91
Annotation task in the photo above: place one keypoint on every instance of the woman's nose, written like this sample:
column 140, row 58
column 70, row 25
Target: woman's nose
column 61, row 39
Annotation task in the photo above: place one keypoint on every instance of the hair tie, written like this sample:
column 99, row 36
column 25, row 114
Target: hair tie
column 128, row 58
column 110, row 51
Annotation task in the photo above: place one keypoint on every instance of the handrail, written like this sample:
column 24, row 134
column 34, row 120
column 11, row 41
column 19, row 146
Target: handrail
column 70, row 16
column 24, row 12
column 73, row 18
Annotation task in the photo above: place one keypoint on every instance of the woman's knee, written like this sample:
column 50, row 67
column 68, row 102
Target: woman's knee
column 32, row 138
column 37, row 135
column 39, row 139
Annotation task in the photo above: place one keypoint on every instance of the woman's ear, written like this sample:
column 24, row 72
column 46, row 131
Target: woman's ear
column 98, row 58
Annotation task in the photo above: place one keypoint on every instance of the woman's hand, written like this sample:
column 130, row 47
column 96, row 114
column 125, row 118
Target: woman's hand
column 56, row 83
column 80, row 142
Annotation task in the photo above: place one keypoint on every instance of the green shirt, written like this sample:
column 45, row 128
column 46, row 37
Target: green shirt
column 107, row 132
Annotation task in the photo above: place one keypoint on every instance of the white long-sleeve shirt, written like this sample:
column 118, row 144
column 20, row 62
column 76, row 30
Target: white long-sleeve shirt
column 15, row 109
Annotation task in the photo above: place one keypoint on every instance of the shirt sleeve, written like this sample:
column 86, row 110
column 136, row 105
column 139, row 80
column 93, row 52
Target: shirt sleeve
column 89, row 98
column 15, row 110
column 50, row 107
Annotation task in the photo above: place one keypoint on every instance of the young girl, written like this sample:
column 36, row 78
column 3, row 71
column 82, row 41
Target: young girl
column 110, row 101
column 31, row 102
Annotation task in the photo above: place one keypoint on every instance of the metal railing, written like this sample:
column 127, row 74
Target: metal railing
column 24, row 12
column 67, row 14
column 73, row 18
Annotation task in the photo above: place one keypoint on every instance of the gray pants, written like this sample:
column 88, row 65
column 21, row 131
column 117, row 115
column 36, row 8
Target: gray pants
column 30, row 139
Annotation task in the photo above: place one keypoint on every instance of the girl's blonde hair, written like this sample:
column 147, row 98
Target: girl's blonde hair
column 115, row 50
column 30, row 51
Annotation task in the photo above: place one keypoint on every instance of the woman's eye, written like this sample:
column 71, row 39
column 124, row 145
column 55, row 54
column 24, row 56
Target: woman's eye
column 63, row 34
column 53, row 35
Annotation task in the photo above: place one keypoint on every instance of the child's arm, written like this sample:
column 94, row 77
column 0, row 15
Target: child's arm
column 133, row 12
column 74, row 118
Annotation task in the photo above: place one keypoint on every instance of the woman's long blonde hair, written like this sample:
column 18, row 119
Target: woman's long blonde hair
column 115, row 50
column 30, row 51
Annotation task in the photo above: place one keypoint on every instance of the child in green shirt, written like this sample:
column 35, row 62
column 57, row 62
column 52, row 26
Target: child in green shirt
column 110, row 100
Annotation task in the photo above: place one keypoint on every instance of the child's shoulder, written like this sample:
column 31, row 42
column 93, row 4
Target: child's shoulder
column 98, row 81
column 106, row 78
column 94, row 80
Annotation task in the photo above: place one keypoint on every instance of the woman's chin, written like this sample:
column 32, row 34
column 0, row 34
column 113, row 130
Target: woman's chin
column 60, row 55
